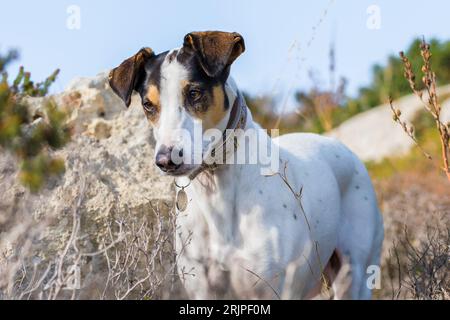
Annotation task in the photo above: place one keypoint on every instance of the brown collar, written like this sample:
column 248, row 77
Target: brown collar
column 237, row 120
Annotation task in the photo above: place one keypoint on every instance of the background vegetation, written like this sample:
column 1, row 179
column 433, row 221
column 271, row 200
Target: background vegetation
column 30, row 139
column 321, row 109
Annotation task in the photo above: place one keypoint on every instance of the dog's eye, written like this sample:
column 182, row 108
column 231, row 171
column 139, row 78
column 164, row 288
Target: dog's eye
column 195, row 94
column 149, row 107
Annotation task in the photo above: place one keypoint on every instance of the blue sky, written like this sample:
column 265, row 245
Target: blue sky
column 277, row 34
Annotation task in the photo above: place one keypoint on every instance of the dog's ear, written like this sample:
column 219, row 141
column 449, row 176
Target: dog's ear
column 123, row 79
column 215, row 50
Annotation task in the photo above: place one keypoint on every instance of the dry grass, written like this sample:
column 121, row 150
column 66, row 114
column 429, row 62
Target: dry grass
column 134, row 260
column 416, row 210
column 424, row 274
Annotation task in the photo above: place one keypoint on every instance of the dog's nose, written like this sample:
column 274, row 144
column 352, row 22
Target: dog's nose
column 165, row 161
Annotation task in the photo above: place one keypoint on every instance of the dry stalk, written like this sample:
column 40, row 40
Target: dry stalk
column 137, row 265
column 297, row 195
column 424, row 272
column 431, row 105
column 265, row 282
column 408, row 129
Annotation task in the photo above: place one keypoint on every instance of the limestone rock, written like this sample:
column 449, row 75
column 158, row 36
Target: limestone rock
column 109, row 170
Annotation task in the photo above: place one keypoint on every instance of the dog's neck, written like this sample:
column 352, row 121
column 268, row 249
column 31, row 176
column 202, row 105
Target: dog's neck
column 232, row 125
column 210, row 181
column 215, row 194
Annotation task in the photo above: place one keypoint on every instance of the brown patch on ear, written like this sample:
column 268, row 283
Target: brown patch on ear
column 216, row 111
column 123, row 78
column 215, row 50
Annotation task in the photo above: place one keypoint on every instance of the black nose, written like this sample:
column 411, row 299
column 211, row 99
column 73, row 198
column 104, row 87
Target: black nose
column 165, row 161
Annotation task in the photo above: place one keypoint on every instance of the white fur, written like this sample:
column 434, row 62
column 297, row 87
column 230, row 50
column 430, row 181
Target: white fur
column 245, row 235
column 172, row 116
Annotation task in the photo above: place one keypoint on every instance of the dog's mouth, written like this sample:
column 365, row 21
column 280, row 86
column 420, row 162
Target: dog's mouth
column 182, row 170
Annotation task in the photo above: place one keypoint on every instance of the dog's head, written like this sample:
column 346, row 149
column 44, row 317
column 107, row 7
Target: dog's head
column 181, row 90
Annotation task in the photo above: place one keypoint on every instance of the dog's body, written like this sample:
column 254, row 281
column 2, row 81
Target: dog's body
column 244, row 234
column 252, row 228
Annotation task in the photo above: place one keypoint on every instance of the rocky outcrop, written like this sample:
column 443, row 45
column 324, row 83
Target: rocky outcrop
column 112, row 147
column 109, row 172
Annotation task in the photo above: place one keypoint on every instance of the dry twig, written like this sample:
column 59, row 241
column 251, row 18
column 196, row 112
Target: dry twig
column 431, row 105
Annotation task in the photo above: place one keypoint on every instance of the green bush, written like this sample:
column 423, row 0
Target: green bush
column 30, row 139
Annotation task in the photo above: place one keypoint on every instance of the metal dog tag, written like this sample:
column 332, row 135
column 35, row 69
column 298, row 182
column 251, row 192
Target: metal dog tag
column 182, row 200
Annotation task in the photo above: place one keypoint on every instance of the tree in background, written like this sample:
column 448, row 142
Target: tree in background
column 388, row 81
column 321, row 108
column 28, row 137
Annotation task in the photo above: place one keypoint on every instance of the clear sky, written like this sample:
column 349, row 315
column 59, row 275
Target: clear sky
column 284, row 39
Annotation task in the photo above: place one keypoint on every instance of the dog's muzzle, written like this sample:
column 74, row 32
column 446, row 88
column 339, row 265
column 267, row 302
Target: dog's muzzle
column 166, row 161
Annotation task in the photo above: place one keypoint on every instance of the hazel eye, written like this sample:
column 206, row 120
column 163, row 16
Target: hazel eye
column 195, row 94
column 149, row 107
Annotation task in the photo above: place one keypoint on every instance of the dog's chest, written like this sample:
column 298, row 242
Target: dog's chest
column 231, row 241
column 226, row 259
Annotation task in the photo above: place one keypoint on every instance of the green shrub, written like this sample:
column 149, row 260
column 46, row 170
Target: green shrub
column 29, row 138
column 388, row 80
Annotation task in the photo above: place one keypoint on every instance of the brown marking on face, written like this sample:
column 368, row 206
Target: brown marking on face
column 153, row 95
column 154, row 100
column 185, row 85
column 215, row 111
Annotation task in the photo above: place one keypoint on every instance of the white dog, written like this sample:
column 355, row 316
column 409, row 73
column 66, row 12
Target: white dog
column 245, row 232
